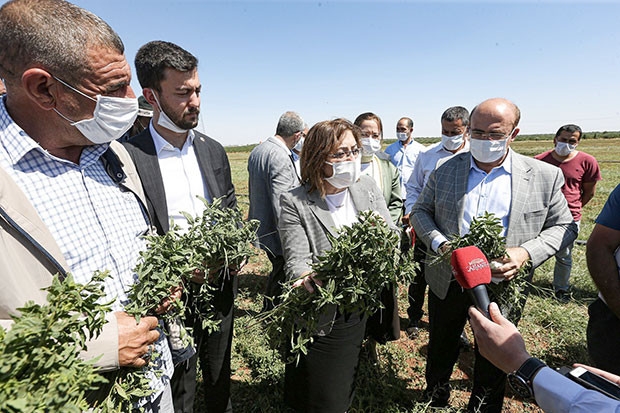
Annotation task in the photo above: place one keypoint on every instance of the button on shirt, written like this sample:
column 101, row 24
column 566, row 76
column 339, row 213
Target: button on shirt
column 182, row 178
column 488, row 193
column 96, row 224
column 426, row 162
column 485, row 193
column 404, row 159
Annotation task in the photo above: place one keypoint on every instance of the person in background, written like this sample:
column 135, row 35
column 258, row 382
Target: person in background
column 377, row 165
column 71, row 198
column 500, row 342
column 404, row 151
column 145, row 113
column 454, row 139
column 2, row 88
column 177, row 164
column 271, row 170
column 526, row 196
column 331, row 196
column 296, row 152
column 581, row 173
column 603, row 258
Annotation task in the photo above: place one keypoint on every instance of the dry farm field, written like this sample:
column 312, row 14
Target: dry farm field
column 553, row 331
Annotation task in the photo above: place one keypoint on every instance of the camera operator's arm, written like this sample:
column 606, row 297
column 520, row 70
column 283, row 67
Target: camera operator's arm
column 500, row 342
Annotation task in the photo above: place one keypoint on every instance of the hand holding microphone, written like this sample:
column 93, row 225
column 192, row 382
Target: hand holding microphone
column 471, row 270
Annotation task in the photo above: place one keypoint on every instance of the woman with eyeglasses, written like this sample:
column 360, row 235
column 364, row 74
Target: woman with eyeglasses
column 331, row 195
column 377, row 164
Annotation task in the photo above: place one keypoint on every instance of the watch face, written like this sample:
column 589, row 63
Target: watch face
column 520, row 386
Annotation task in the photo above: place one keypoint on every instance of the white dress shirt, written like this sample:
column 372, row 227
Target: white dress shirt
column 182, row 178
column 404, row 158
column 485, row 193
column 426, row 162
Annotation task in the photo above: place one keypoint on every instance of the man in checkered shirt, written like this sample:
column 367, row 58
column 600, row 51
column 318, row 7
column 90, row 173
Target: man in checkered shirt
column 70, row 199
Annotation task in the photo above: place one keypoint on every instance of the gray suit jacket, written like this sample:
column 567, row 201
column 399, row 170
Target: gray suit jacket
column 540, row 220
column 305, row 221
column 271, row 173
column 213, row 163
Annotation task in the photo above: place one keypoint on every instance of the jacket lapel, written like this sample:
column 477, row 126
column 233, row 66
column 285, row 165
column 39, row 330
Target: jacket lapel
column 521, row 175
column 320, row 210
column 150, row 174
column 207, row 166
column 460, row 187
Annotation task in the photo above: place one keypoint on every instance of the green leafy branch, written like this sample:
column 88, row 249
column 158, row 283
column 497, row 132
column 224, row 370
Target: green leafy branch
column 364, row 258
column 215, row 242
column 40, row 367
column 485, row 233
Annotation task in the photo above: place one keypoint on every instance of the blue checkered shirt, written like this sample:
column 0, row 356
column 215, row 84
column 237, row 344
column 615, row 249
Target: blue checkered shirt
column 97, row 225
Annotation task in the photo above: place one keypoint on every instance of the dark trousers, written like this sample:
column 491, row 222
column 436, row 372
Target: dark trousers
column 447, row 318
column 214, row 352
column 276, row 278
column 324, row 379
column 603, row 336
column 417, row 289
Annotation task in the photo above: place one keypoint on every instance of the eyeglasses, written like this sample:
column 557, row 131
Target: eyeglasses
column 494, row 136
column 345, row 154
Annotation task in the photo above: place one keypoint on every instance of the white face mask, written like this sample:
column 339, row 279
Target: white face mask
column 112, row 117
column 299, row 144
column 345, row 173
column 402, row 136
column 488, row 151
column 564, row 148
column 452, row 143
column 370, row 146
column 164, row 121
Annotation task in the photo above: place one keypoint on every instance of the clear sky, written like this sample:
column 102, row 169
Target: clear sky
column 558, row 60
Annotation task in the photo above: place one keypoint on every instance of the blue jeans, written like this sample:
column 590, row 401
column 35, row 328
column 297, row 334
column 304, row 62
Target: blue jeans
column 563, row 266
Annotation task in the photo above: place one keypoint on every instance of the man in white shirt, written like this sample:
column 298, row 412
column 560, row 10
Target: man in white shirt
column 404, row 151
column 500, row 342
column 176, row 164
column 526, row 196
column 454, row 139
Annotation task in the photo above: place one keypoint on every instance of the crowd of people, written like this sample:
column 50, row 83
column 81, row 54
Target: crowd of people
column 78, row 147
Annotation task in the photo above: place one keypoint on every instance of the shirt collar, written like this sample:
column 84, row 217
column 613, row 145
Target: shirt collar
column 17, row 143
column 162, row 144
column 281, row 143
column 506, row 165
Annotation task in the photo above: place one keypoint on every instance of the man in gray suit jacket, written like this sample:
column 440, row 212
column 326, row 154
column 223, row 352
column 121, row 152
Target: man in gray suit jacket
column 177, row 163
column 525, row 194
column 272, row 172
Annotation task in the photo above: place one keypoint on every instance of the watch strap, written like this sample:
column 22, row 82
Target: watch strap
column 521, row 380
column 529, row 368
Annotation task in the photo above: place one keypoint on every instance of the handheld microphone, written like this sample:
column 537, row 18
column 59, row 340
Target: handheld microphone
column 471, row 270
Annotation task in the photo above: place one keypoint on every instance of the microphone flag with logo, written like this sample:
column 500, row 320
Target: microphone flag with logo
column 471, row 270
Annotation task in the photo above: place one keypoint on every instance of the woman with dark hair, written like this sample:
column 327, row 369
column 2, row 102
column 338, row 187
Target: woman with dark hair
column 331, row 195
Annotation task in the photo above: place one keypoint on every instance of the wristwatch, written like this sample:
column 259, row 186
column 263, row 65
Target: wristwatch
column 521, row 380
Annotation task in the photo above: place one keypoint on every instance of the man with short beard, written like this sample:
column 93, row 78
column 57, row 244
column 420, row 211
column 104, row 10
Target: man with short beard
column 177, row 164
